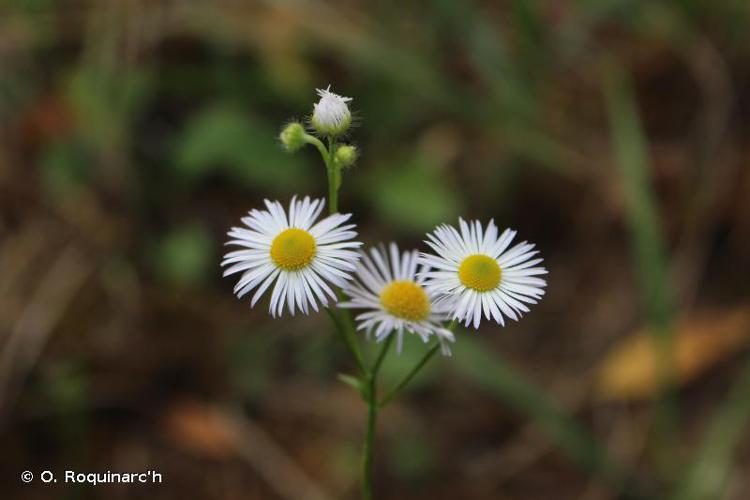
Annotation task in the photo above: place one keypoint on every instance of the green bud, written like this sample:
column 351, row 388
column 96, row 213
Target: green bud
column 345, row 156
column 293, row 137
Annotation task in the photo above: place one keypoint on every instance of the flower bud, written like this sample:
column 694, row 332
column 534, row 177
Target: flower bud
column 331, row 115
column 345, row 156
column 293, row 137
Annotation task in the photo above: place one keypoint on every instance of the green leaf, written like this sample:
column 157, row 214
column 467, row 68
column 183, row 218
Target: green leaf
column 251, row 357
column 412, row 196
column 413, row 456
column 185, row 255
column 223, row 139
column 64, row 167
column 66, row 385
column 353, row 382
column 106, row 102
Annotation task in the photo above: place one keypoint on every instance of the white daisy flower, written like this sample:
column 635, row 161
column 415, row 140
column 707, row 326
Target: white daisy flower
column 301, row 256
column 331, row 115
column 390, row 288
column 475, row 271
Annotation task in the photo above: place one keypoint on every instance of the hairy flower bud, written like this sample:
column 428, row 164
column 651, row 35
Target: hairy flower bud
column 331, row 115
column 345, row 156
column 293, row 137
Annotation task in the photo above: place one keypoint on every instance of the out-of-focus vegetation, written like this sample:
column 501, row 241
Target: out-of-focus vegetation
column 613, row 134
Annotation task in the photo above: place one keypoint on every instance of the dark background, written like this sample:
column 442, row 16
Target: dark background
column 613, row 134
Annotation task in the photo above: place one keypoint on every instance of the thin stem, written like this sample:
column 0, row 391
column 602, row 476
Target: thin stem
column 311, row 139
column 333, row 171
column 372, row 419
column 394, row 392
column 381, row 356
column 427, row 357
column 334, row 176
column 346, row 329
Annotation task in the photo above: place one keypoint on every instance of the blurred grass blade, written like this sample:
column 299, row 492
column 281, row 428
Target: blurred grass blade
column 640, row 210
column 648, row 249
column 707, row 476
column 475, row 362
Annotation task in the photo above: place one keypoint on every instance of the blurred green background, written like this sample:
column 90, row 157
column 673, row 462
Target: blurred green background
column 613, row 134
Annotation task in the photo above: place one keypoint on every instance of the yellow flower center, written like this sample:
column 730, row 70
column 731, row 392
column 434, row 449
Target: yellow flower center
column 480, row 272
column 406, row 300
column 293, row 249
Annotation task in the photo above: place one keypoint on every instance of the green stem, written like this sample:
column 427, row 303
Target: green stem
column 333, row 171
column 395, row 391
column 334, row 178
column 372, row 419
column 311, row 139
column 346, row 328
column 413, row 373
column 381, row 356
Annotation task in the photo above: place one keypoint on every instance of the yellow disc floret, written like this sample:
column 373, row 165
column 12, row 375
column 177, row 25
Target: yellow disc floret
column 293, row 249
column 406, row 300
column 480, row 272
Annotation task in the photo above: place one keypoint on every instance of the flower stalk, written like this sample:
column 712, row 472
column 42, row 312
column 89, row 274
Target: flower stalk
column 372, row 419
column 334, row 177
column 412, row 373
column 346, row 330
column 473, row 271
column 368, row 383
